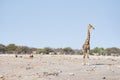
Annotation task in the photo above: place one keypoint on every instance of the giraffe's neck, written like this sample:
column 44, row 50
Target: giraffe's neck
column 88, row 38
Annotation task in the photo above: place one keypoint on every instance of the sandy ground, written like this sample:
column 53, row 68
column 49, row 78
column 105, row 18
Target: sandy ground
column 58, row 67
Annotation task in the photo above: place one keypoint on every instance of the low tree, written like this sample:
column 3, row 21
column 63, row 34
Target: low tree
column 11, row 48
column 2, row 48
column 47, row 50
column 78, row 52
column 97, row 51
column 112, row 51
column 40, row 51
column 23, row 50
column 68, row 50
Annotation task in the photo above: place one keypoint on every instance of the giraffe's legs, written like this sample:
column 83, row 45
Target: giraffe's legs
column 87, row 57
column 84, row 57
column 84, row 60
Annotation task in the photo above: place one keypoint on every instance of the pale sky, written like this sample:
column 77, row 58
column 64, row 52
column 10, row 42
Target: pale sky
column 59, row 23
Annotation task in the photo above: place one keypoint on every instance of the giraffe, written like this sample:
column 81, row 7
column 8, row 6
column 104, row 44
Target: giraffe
column 86, row 46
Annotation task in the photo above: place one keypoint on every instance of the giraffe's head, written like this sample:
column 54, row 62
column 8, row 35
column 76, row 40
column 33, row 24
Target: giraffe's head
column 90, row 27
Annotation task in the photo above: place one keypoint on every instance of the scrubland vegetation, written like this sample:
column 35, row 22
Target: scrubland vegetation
column 15, row 49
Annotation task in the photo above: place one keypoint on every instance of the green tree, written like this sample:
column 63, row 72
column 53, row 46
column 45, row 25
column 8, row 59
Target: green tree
column 40, row 51
column 2, row 48
column 47, row 50
column 11, row 48
column 23, row 50
column 59, row 51
column 68, row 50
column 98, row 51
column 78, row 52
column 113, row 51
